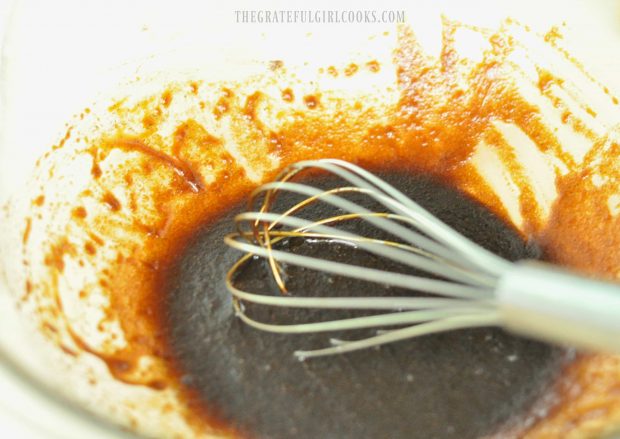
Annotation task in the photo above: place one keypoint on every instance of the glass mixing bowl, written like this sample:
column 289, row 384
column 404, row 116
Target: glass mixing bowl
column 61, row 57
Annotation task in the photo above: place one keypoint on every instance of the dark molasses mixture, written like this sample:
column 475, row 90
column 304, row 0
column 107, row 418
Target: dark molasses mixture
column 464, row 384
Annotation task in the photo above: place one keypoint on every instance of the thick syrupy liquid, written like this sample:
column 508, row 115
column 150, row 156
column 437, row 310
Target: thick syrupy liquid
column 463, row 384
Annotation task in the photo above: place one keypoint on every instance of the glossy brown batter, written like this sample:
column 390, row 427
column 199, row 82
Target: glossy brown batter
column 464, row 384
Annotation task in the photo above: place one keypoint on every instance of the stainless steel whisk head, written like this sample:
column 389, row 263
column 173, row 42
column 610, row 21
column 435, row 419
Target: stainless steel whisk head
column 467, row 285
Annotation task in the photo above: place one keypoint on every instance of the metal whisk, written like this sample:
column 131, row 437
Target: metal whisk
column 468, row 287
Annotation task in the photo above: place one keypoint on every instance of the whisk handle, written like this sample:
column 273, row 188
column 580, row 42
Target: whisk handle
column 553, row 305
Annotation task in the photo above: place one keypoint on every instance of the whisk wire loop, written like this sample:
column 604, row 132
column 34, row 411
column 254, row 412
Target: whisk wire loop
column 432, row 327
column 462, row 274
